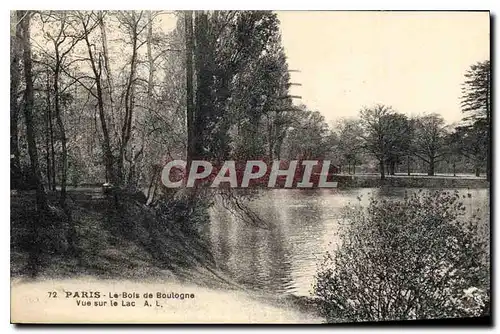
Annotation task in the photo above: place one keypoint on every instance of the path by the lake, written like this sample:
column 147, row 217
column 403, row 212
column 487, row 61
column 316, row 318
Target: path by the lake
column 31, row 303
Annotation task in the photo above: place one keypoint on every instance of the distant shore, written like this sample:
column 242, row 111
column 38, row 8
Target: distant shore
column 372, row 180
column 412, row 181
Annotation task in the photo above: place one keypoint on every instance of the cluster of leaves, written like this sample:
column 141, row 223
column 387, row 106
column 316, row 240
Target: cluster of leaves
column 242, row 79
column 385, row 134
column 309, row 135
column 472, row 140
column 417, row 258
column 476, row 91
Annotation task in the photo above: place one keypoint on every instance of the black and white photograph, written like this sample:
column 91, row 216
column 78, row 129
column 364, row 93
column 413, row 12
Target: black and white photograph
column 250, row 166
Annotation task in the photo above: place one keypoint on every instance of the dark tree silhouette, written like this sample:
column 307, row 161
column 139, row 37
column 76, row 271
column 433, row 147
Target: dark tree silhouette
column 476, row 101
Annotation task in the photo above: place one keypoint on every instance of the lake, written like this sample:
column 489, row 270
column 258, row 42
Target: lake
column 284, row 259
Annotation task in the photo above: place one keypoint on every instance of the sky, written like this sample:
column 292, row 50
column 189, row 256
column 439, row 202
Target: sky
column 412, row 61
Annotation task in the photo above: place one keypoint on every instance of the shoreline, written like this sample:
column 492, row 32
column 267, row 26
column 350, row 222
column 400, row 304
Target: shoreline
column 412, row 181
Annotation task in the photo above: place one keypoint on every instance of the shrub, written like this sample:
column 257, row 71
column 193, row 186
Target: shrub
column 415, row 258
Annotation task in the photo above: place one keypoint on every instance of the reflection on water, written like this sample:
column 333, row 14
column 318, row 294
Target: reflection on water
column 284, row 259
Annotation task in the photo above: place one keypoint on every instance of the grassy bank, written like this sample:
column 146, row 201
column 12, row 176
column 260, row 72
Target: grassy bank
column 133, row 241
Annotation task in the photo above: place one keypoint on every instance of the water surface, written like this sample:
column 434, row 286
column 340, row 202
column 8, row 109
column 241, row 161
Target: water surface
column 284, row 259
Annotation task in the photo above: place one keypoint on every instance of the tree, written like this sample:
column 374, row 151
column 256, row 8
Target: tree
column 308, row 136
column 239, row 79
column 42, row 208
column 24, row 22
column 261, row 103
column 188, row 24
column 59, row 30
column 471, row 141
column 119, row 96
column 476, row 101
column 453, row 143
column 133, row 25
column 89, row 21
column 399, row 140
column 106, row 96
column 350, row 142
column 429, row 140
column 410, row 137
column 383, row 131
column 476, row 91
column 15, row 80
column 416, row 258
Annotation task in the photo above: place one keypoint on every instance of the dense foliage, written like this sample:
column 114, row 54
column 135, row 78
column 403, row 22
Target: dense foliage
column 416, row 258
column 107, row 97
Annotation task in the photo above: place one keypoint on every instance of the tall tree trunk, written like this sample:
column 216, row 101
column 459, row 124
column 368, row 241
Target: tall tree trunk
column 48, row 135
column 149, row 101
column 129, row 105
column 52, row 175
column 392, row 167
column 41, row 197
column 270, row 139
column 150, row 57
column 454, row 168
column 408, row 165
column 112, row 127
column 381, row 167
column 107, row 70
column 277, row 151
column 477, row 169
column 96, row 65
column 431, row 166
column 155, row 176
column 71, row 232
column 62, row 133
column 52, row 152
column 53, row 155
column 108, row 155
column 15, row 162
column 188, row 22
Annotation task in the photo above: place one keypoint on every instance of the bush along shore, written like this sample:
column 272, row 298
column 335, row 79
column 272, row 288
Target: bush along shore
column 373, row 181
column 416, row 258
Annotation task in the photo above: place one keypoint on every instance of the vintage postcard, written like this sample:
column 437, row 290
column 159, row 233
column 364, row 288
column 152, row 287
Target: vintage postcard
column 259, row 167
